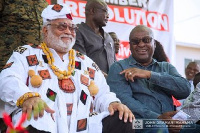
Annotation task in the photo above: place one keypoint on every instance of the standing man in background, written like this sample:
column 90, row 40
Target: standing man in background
column 92, row 40
column 20, row 23
column 116, row 41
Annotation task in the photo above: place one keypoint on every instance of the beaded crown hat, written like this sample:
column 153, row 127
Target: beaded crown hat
column 55, row 12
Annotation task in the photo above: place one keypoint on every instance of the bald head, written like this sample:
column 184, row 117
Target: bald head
column 194, row 63
column 94, row 4
column 96, row 13
column 141, row 28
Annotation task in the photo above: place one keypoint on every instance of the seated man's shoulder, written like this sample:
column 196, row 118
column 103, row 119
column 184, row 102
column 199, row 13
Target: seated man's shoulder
column 121, row 63
column 25, row 48
column 80, row 55
column 165, row 64
column 87, row 61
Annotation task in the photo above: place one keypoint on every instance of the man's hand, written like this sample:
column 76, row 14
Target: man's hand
column 173, row 125
column 134, row 73
column 123, row 111
column 36, row 106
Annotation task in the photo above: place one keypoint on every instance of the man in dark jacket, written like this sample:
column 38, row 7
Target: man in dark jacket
column 92, row 40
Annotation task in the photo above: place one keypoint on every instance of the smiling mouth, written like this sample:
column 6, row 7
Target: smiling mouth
column 142, row 51
column 68, row 38
column 190, row 74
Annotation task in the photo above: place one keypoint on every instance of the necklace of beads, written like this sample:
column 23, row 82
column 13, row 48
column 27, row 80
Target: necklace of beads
column 60, row 74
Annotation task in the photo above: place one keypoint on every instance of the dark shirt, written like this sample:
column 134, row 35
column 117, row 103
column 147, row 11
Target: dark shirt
column 99, row 49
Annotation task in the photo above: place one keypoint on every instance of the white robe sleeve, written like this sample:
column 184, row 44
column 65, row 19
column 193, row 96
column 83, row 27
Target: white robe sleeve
column 13, row 81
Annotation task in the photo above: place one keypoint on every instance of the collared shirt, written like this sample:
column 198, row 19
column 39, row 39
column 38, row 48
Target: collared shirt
column 193, row 95
column 148, row 98
column 184, row 101
column 192, row 104
column 99, row 49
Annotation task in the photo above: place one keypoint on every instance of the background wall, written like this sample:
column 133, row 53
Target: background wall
column 184, row 54
column 186, row 32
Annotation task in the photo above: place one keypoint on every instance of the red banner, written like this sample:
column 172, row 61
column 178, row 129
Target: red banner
column 124, row 15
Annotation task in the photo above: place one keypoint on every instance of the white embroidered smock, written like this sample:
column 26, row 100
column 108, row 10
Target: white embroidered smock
column 15, row 82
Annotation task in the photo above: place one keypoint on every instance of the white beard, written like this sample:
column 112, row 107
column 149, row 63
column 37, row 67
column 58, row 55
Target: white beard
column 57, row 44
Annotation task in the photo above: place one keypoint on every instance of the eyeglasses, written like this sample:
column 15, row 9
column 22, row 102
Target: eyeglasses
column 64, row 26
column 145, row 39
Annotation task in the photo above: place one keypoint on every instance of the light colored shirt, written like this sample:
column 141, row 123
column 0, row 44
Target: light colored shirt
column 192, row 104
column 182, row 101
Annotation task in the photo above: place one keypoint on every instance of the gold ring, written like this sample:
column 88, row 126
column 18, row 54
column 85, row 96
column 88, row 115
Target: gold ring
column 129, row 73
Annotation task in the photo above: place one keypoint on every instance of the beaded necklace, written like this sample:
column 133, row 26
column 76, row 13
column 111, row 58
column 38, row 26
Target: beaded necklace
column 60, row 74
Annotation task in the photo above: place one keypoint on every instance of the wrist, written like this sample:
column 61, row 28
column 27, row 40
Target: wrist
column 115, row 102
column 26, row 96
column 149, row 75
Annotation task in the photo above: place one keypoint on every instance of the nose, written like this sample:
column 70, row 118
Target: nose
column 141, row 44
column 107, row 15
column 67, row 30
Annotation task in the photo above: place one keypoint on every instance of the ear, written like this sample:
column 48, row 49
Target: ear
column 45, row 30
column 92, row 11
column 130, row 46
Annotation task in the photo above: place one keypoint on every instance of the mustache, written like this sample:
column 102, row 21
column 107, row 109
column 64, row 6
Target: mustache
column 70, row 36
